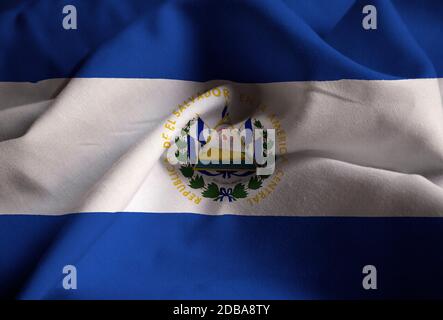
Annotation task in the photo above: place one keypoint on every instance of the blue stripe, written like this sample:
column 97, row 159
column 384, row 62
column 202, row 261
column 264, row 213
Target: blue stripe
column 187, row 256
column 245, row 41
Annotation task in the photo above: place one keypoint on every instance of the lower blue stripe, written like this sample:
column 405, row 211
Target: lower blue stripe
column 188, row 256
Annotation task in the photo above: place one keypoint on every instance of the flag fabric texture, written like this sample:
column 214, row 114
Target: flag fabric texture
column 88, row 116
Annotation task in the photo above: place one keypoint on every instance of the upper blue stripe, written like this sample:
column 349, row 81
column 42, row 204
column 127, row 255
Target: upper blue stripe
column 245, row 41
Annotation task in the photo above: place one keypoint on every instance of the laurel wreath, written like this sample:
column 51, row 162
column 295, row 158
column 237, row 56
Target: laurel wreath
column 216, row 192
column 212, row 190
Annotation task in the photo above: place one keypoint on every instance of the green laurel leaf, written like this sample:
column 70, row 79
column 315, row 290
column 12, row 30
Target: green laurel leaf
column 211, row 191
column 197, row 182
column 239, row 191
column 187, row 171
column 254, row 183
column 258, row 124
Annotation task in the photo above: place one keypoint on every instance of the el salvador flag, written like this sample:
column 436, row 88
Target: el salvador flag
column 94, row 97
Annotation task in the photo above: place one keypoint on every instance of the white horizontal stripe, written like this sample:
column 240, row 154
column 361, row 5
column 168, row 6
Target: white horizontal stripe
column 352, row 147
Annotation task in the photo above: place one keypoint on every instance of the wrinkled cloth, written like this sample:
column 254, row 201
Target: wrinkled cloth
column 83, row 180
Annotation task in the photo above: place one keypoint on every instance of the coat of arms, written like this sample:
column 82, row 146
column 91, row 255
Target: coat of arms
column 222, row 174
